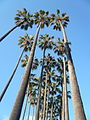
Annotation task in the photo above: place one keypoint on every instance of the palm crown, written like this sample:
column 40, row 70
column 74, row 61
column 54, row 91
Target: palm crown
column 26, row 42
column 46, row 42
column 24, row 17
column 42, row 17
column 55, row 18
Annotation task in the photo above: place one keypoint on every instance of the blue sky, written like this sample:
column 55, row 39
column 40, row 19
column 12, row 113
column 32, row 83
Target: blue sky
column 78, row 33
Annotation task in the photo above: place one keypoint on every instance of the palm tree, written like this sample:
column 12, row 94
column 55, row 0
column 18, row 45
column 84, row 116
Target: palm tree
column 45, row 95
column 25, row 43
column 60, row 50
column 23, row 20
column 53, row 86
column 51, row 115
column 27, row 96
column 15, row 114
column 39, row 89
column 53, row 102
column 33, row 103
column 29, row 111
column 45, row 42
column 61, row 23
column 49, row 64
column 32, row 91
column 31, row 95
column 12, row 75
column 62, row 68
column 33, row 113
column 65, row 92
column 16, row 111
column 63, row 102
column 47, row 103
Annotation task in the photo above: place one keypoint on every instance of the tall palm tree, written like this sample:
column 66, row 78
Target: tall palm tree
column 27, row 96
column 16, row 111
column 29, row 111
column 59, row 24
column 12, row 75
column 54, row 104
column 23, row 20
column 51, row 115
column 33, row 103
column 45, row 95
column 60, row 50
column 25, row 43
column 49, row 64
column 47, row 103
column 45, row 42
column 65, row 92
column 63, row 102
column 53, row 88
column 32, row 111
column 32, row 91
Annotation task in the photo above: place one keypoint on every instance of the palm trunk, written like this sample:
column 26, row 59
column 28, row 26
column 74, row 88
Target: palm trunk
column 51, row 115
column 10, row 31
column 26, row 103
column 63, row 102
column 29, row 111
column 16, row 111
column 41, row 104
column 47, row 104
column 39, row 93
column 11, row 77
column 44, row 109
column 33, row 113
column 76, row 97
column 25, row 108
column 65, row 92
